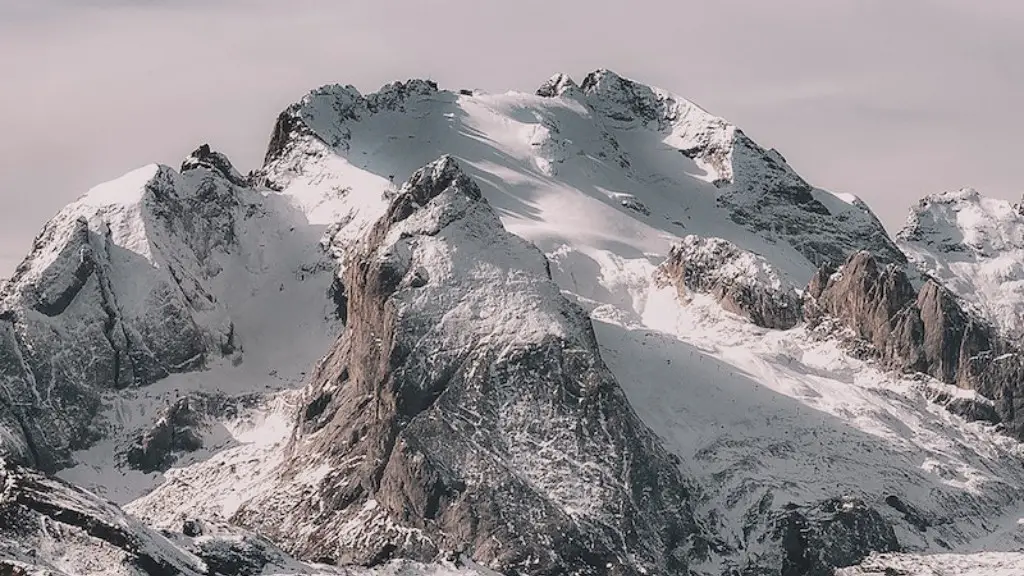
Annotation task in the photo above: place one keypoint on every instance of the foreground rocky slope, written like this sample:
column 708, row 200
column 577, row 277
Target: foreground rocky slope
column 50, row 527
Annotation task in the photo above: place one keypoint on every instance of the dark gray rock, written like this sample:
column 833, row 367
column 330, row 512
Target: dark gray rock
column 742, row 282
column 204, row 157
column 925, row 331
column 176, row 430
column 244, row 556
column 832, row 534
column 519, row 451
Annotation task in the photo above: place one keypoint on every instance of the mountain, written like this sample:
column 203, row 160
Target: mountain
column 467, row 407
column 975, row 246
column 589, row 330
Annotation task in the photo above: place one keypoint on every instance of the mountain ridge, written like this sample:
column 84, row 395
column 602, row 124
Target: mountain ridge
column 609, row 184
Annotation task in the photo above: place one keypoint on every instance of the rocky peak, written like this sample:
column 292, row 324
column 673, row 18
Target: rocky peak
column 626, row 101
column 394, row 95
column 742, row 282
column 317, row 125
column 81, row 305
column 204, row 157
column 427, row 183
column 964, row 221
column 459, row 359
column 758, row 188
column 558, row 85
column 975, row 246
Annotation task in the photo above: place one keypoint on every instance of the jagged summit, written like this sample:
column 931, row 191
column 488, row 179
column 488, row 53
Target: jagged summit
column 558, row 85
column 433, row 179
column 667, row 167
column 975, row 245
column 965, row 220
column 204, row 157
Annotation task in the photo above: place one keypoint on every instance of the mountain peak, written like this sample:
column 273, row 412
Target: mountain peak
column 965, row 219
column 557, row 85
column 204, row 157
column 434, row 178
column 975, row 245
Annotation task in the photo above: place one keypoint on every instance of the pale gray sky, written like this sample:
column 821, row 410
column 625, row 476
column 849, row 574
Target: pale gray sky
column 889, row 100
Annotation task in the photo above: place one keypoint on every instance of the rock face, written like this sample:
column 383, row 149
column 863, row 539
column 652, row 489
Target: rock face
column 836, row 532
column 466, row 409
column 743, row 283
column 922, row 331
column 174, row 432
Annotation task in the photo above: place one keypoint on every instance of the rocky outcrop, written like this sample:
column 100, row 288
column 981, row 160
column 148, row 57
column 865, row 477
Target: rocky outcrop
column 42, row 518
column 557, row 85
column 742, row 282
column 925, row 330
column 466, row 410
column 204, row 157
column 175, row 431
column 866, row 294
column 833, row 534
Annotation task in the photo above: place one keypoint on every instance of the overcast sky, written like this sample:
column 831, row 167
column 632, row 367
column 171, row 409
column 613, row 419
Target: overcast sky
column 889, row 100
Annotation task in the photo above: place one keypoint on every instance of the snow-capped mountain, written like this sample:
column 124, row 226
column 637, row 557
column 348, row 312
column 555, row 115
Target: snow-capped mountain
column 588, row 330
column 975, row 246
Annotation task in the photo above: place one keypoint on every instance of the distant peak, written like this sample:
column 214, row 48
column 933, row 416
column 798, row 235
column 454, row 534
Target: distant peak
column 966, row 194
column 392, row 96
column 557, row 85
column 602, row 76
column 204, row 157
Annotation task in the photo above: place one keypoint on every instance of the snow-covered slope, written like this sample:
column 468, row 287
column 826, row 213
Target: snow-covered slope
column 186, row 316
column 975, row 246
column 612, row 170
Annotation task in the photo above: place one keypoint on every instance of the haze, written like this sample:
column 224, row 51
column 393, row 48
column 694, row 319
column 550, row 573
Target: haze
column 886, row 100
